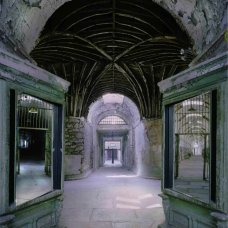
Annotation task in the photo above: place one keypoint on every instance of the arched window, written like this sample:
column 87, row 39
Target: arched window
column 112, row 120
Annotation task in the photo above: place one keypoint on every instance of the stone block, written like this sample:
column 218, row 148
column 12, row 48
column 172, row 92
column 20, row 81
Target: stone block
column 72, row 164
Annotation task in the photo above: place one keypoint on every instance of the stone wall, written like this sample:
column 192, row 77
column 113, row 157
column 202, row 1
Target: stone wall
column 77, row 148
column 148, row 139
column 23, row 20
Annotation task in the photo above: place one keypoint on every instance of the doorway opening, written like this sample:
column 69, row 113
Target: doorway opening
column 112, row 153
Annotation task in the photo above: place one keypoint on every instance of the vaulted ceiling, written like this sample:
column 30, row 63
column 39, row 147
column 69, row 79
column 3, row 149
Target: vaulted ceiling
column 113, row 46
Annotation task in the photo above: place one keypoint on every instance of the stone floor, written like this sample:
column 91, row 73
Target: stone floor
column 108, row 163
column 111, row 197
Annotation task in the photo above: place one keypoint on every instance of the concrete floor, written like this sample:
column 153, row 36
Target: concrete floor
column 112, row 197
column 31, row 182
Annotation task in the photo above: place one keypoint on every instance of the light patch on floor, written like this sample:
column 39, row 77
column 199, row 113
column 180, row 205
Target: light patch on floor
column 112, row 198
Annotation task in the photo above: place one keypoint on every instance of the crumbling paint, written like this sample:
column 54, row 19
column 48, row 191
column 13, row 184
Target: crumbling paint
column 201, row 18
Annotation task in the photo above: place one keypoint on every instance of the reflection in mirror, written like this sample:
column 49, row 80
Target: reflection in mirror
column 34, row 146
column 192, row 152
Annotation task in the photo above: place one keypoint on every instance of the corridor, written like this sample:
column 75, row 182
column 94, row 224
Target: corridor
column 112, row 197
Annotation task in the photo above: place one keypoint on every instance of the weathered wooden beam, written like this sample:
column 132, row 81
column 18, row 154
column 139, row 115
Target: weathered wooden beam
column 128, row 77
column 142, row 42
column 95, row 82
column 147, row 88
column 63, row 54
column 74, row 23
column 80, row 38
column 172, row 70
column 149, row 24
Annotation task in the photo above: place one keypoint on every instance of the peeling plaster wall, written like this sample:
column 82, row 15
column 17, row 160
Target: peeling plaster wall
column 148, row 139
column 78, row 148
column 24, row 19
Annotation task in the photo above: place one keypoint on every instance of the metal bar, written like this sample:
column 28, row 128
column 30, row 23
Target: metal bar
column 33, row 128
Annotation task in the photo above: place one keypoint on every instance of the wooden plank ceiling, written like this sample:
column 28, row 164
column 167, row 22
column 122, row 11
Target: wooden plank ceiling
column 113, row 46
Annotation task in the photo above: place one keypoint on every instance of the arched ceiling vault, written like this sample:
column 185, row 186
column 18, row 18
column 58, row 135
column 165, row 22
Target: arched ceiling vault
column 113, row 46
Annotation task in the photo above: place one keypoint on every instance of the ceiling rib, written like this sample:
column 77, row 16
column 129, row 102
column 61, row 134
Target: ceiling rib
column 124, row 46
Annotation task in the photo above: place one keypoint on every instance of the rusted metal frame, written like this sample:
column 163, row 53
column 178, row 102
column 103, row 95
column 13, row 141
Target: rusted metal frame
column 54, row 38
column 133, row 77
column 74, row 79
column 136, row 81
column 128, row 50
column 132, row 83
column 82, row 73
column 117, row 40
column 82, row 39
column 163, row 69
column 148, row 55
column 86, row 18
column 145, row 50
column 167, row 63
column 146, row 82
column 79, row 87
column 75, row 101
column 159, row 95
column 92, row 26
column 173, row 30
column 95, row 82
column 82, row 101
column 74, row 50
column 117, row 32
column 156, row 56
column 113, row 34
column 64, row 71
column 70, row 44
column 172, row 70
column 114, row 15
column 169, row 58
column 100, row 75
column 161, row 45
column 50, row 59
column 128, row 29
column 53, row 68
column 190, row 128
column 121, row 88
column 63, row 54
column 73, row 89
column 63, row 41
column 99, row 90
column 140, row 20
column 89, row 77
column 138, row 44
column 153, row 89
column 134, row 27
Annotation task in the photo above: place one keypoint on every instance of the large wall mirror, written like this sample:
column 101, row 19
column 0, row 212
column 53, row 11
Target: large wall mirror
column 34, row 148
column 192, row 147
column 192, row 132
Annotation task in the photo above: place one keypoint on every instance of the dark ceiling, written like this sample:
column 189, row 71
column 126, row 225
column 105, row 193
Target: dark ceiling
column 113, row 46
